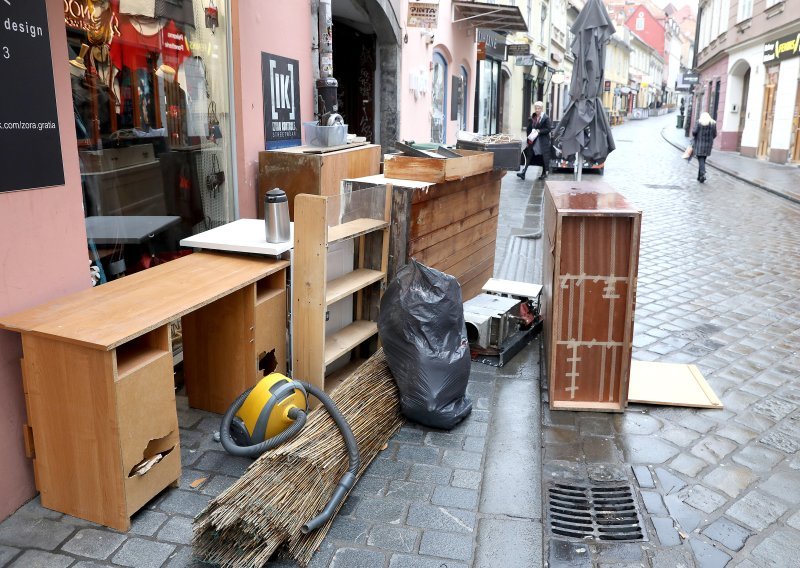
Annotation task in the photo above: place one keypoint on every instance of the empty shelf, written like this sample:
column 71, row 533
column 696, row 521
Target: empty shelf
column 347, row 338
column 349, row 283
column 354, row 229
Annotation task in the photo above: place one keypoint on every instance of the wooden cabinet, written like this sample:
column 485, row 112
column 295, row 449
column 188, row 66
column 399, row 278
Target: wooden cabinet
column 317, row 171
column 591, row 253
column 98, row 375
column 322, row 221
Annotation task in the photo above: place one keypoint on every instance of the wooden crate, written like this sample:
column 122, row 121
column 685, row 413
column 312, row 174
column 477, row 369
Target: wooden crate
column 591, row 253
column 436, row 170
column 450, row 226
column 295, row 171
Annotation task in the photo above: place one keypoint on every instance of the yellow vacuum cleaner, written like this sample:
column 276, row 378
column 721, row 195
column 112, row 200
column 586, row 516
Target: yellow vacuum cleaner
column 274, row 411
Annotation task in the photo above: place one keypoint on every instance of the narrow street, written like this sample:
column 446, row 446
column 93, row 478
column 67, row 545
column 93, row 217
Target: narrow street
column 718, row 277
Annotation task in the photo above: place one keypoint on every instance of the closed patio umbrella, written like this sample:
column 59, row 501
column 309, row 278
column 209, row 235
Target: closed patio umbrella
column 584, row 129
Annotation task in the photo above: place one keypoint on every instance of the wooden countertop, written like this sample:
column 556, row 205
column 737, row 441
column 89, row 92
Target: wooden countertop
column 114, row 313
column 587, row 197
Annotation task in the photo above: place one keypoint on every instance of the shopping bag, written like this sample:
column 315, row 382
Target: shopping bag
column 687, row 155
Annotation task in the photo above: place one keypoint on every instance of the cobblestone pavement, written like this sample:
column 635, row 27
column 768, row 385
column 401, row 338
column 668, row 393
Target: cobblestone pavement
column 719, row 275
column 718, row 280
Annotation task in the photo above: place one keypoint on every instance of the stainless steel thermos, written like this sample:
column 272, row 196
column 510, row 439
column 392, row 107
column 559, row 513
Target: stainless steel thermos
column 276, row 216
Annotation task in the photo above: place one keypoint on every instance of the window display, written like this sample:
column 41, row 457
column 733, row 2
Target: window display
column 150, row 95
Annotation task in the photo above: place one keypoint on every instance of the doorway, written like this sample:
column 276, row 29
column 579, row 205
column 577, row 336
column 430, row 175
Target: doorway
column 354, row 68
column 743, row 110
column 768, row 114
column 795, row 149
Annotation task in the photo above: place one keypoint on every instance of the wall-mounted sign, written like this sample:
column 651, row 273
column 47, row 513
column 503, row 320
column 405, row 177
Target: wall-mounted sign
column 30, row 145
column 481, row 54
column 518, row 49
column 523, row 60
column 495, row 43
column 422, row 15
column 607, row 86
column 280, row 77
column 781, row 49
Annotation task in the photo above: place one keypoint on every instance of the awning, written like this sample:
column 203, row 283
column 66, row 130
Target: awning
column 497, row 17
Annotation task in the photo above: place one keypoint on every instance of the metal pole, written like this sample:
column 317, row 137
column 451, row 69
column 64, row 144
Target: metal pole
column 578, row 166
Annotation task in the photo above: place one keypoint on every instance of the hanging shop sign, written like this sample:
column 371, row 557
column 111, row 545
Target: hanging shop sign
column 518, row 49
column 30, row 145
column 783, row 48
column 607, row 86
column 523, row 60
column 495, row 43
column 422, row 15
column 280, row 77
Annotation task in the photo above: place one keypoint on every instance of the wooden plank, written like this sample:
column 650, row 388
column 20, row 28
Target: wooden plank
column 348, row 338
column 589, row 198
column 350, row 283
column 74, row 421
column 354, row 228
column 424, row 241
column 433, row 215
column 308, row 290
column 27, row 440
column 327, row 149
column 438, row 170
column 448, row 252
column 114, row 313
column 670, row 384
column 491, row 180
column 219, row 358
column 466, row 269
column 399, row 229
column 472, row 288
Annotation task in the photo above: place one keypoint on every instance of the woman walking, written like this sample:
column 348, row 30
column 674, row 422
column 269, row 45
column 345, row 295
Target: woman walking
column 703, row 134
column 538, row 149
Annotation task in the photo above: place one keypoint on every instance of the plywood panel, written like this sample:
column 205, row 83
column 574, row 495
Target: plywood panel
column 432, row 215
column 670, row 384
column 422, row 242
column 219, row 360
column 271, row 329
column 73, row 414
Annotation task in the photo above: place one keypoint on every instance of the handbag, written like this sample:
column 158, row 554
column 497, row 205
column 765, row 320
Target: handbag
column 687, row 155
column 216, row 178
column 214, row 131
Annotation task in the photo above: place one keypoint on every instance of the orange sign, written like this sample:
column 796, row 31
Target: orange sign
column 481, row 50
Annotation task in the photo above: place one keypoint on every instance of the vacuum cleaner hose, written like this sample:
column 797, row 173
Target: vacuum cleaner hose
column 349, row 478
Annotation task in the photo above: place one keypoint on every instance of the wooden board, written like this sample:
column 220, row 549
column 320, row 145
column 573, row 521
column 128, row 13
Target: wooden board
column 116, row 312
column 438, row 170
column 670, row 384
column 317, row 174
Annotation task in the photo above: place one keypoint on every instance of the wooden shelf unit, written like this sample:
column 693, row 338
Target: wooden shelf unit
column 591, row 252
column 312, row 294
column 98, row 374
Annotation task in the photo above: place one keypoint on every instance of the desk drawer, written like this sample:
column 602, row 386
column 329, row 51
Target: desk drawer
column 139, row 489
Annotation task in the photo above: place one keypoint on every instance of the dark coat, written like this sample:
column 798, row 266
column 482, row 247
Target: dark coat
column 541, row 146
column 703, row 138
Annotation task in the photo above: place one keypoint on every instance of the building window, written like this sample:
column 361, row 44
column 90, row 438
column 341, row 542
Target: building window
column 439, row 99
column 745, row 10
column 543, row 23
column 462, row 101
column 640, row 22
column 152, row 117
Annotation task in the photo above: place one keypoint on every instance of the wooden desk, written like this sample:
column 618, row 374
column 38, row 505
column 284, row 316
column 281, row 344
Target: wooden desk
column 98, row 382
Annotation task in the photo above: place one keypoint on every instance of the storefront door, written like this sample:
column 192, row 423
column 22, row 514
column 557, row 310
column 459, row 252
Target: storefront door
column 768, row 115
column 795, row 150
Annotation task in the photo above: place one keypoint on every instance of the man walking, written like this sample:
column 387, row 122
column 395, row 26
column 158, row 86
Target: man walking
column 538, row 148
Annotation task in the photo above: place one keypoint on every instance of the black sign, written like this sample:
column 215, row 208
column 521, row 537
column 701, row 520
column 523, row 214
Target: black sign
column 281, row 80
column 517, row 49
column 30, row 145
column 690, row 78
column 781, row 49
column 495, row 43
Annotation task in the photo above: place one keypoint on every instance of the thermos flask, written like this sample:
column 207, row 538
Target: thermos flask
column 276, row 216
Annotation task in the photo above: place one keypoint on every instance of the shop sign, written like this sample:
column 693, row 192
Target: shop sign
column 518, row 50
column 30, row 144
column 607, row 86
column 781, row 49
column 422, row 15
column 495, row 43
column 481, row 54
column 79, row 15
column 524, row 61
column 281, row 83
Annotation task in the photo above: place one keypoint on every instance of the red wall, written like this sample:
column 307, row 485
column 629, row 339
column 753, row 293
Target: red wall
column 43, row 255
column 653, row 32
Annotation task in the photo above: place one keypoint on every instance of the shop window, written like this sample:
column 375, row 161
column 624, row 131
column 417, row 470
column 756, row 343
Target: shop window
column 439, row 100
column 462, row 101
column 150, row 97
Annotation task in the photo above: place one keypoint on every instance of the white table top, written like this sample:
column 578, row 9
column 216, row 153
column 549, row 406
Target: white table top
column 244, row 235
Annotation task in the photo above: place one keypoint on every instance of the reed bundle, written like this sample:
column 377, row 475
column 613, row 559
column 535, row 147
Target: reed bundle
column 263, row 510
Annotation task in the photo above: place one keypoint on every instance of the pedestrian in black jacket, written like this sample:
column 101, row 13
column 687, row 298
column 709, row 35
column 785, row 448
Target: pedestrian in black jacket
column 703, row 134
column 538, row 151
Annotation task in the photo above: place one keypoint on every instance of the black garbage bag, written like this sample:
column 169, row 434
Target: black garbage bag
column 421, row 326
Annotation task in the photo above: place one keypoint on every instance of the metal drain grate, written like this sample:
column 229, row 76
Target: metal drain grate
column 603, row 513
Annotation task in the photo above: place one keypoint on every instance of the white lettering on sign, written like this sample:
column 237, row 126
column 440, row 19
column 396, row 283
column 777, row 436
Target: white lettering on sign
column 282, row 86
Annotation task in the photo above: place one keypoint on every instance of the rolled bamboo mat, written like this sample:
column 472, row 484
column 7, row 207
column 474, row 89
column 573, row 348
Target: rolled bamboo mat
column 262, row 511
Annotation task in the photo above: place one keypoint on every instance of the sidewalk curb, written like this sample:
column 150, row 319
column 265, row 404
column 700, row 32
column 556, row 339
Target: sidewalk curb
column 734, row 174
